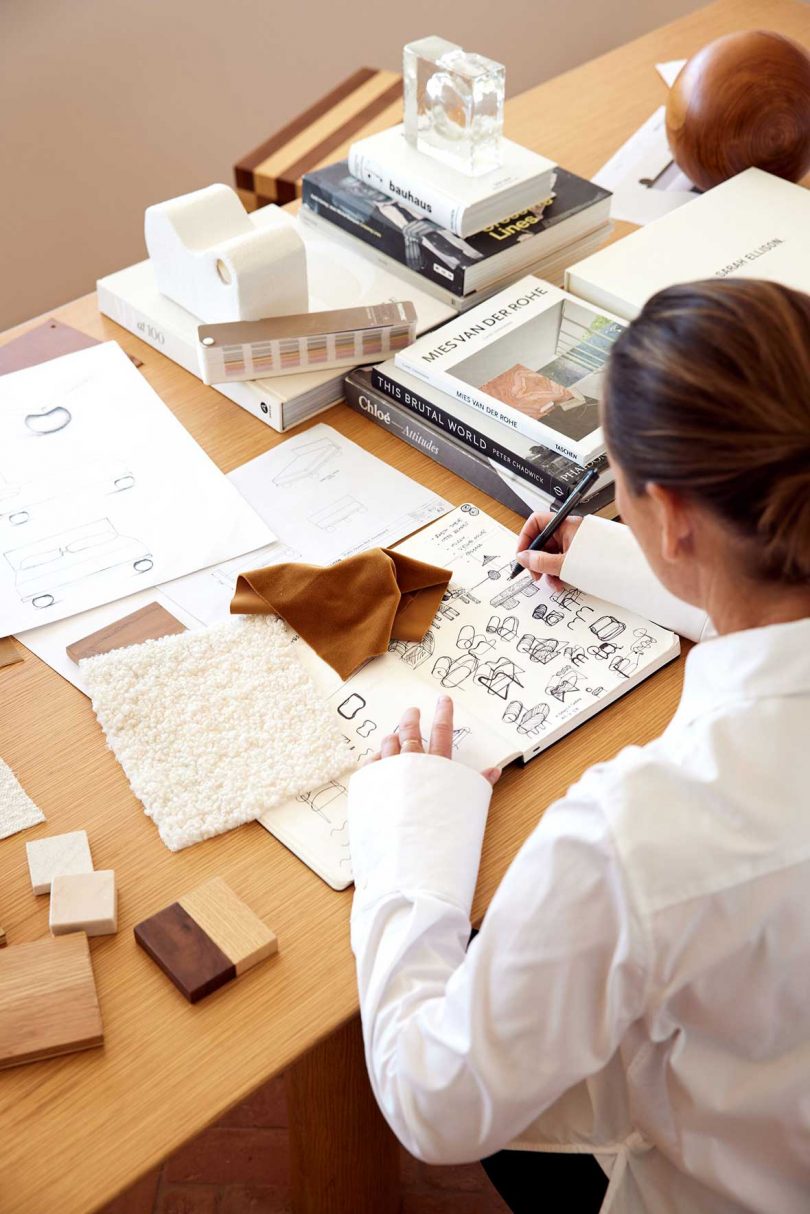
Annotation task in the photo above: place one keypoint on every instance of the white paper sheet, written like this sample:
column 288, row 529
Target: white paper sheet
column 645, row 182
column 102, row 491
column 326, row 499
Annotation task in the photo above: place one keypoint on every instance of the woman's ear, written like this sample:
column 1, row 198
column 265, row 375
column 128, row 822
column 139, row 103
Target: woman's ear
column 675, row 522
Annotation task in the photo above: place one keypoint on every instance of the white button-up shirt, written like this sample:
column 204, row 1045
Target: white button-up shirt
column 640, row 986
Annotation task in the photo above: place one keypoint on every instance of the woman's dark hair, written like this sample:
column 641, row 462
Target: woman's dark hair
column 708, row 392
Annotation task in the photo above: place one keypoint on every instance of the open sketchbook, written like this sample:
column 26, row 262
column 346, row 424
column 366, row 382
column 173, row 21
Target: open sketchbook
column 525, row 662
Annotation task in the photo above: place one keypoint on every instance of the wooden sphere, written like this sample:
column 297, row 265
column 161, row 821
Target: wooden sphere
column 743, row 101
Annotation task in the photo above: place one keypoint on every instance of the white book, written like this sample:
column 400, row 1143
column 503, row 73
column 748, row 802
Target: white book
column 338, row 277
column 531, row 357
column 452, row 199
column 754, row 225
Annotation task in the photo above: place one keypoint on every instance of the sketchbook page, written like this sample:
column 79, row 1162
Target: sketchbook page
column 532, row 659
column 326, row 499
column 102, row 491
column 642, row 176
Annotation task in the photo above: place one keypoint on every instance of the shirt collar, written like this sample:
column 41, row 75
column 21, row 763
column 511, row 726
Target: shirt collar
column 755, row 664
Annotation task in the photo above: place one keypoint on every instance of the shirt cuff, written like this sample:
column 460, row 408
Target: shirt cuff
column 416, row 823
column 606, row 560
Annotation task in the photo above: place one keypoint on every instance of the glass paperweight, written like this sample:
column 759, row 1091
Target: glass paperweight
column 454, row 104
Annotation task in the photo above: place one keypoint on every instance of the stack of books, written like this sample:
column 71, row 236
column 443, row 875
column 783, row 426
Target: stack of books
column 417, row 217
column 506, row 395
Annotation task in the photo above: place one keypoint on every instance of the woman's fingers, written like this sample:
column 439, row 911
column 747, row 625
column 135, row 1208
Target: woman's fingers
column 493, row 774
column 441, row 735
column 389, row 746
column 541, row 562
column 409, row 732
column 532, row 527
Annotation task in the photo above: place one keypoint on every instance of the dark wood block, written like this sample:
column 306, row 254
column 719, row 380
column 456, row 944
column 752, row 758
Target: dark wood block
column 146, row 624
column 185, row 953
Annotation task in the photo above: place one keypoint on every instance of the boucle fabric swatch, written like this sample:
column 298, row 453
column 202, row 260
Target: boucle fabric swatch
column 17, row 810
column 215, row 727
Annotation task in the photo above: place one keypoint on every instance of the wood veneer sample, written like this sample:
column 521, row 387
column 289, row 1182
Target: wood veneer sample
column 146, row 624
column 9, row 652
column 3, row 941
column 206, row 939
column 48, row 1002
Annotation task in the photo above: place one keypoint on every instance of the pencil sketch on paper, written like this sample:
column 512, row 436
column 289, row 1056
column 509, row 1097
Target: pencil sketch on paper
column 305, row 461
column 43, row 568
column 106, row 476
column 330, row 517
column 48, row 420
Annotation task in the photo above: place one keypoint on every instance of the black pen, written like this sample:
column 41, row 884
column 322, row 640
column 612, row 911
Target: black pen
column 574, row 498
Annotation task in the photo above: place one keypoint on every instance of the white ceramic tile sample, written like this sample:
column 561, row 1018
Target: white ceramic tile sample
column 17, row 810
column 84, row 902
column 47, row 858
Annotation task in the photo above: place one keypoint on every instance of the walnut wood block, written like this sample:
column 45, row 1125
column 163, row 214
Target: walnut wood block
column 48, row 1002
column 146, row 624
column 230, row 923
column 185, row 953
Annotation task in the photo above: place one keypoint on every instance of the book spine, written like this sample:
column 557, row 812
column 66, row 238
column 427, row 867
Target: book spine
column 268, row 410
column 431, row 203
column 513, row 419
column 406, row 250
column 550, row 482
column 475, row 469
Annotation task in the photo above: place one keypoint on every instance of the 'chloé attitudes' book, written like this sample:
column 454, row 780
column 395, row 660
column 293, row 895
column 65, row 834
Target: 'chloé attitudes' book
column 532, row 357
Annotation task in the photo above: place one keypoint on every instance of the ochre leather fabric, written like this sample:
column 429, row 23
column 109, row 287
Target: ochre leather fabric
column 351, row 611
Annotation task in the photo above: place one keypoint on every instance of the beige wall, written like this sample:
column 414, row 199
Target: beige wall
column 108, row 105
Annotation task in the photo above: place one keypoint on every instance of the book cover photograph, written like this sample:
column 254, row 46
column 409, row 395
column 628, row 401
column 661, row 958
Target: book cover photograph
column 541, row 355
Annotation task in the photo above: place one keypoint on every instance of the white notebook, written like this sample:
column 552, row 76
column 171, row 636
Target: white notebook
column 525, row 662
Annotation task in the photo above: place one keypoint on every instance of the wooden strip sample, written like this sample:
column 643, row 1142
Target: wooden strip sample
column 288, row 183
column 352, row 113
column 3, row 941
column 230, row 923
column 9, row 652
column 189, row 957
column 245, row 167
column 48, row 1002
column 146, row 624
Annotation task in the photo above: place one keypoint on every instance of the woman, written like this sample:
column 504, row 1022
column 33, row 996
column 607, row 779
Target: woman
column 640, row 986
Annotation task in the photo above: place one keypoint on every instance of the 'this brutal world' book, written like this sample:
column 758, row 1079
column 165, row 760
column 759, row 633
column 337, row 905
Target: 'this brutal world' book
column 395, row 227
column 532, row 357
column 551, row 472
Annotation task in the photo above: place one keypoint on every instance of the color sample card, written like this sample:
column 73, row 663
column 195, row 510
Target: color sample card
column 206, row 939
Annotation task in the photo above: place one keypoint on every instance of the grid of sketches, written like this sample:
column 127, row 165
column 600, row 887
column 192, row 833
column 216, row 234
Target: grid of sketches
column 544, row 651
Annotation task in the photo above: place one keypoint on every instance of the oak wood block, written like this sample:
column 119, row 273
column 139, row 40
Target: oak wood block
column 10, row 653
column 230, row 923
column 48, row 1002
column 146, row 624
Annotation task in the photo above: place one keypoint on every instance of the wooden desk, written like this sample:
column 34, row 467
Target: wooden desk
column 78, row 1130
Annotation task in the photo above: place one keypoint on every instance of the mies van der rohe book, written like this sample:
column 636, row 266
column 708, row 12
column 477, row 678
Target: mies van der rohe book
column 533, row 357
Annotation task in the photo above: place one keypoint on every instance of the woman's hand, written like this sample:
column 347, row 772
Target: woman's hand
column 550, row 560
column 408, row 737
